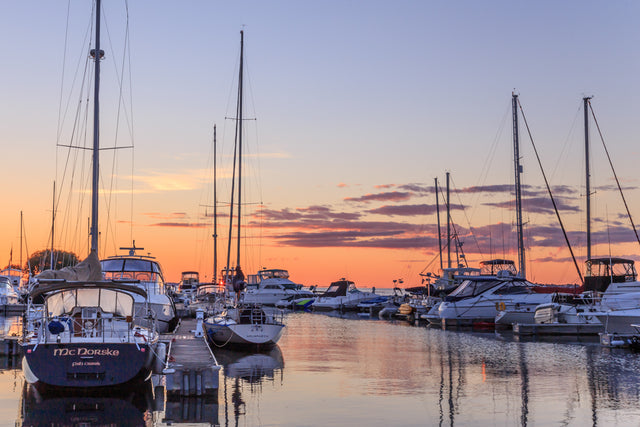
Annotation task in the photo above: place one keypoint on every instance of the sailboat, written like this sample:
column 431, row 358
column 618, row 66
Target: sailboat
column 611, row 285
column 87, row 333
column 499, row 287
column 242, row 324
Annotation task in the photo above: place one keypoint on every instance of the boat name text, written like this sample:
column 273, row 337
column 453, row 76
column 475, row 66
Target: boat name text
column 83, row 351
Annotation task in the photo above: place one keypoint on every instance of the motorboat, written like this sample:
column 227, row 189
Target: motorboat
column 477, row 300
column 246, row 325
column 144, row 272
column 188, row 287
column 610, row 290
column 269, row 286
column 341, row 295
column 206, row 297
column 8, row 294
column 373, row 306
column 87, row 335
column 296, row 304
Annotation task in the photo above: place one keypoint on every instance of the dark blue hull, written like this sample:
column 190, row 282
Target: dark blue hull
column 87, row 364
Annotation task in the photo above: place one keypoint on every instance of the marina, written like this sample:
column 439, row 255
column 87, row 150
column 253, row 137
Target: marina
column 441, row 377
column 303, row 262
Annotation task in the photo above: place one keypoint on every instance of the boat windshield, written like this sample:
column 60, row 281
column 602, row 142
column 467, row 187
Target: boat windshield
column 273, row 274
column 471, row 288
column 147, row 272
column 108, row 300
column 514, row 287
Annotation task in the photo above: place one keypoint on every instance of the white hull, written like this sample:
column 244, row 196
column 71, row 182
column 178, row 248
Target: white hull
column 223, row 333
column 619, row 322
column 348, row 302
column 485, row 308
column 264, row 297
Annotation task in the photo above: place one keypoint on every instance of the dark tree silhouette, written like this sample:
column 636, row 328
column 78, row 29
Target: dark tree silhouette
column 41, row 260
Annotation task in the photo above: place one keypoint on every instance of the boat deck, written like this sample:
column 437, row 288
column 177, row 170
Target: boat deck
column 191, row 368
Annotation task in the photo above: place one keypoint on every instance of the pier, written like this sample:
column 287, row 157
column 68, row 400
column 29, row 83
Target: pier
column 191, row 368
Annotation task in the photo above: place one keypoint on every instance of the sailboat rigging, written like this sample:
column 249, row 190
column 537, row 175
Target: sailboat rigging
column 88, row 334
column 241, row 324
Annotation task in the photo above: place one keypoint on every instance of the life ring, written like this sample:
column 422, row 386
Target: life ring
column 501, row 306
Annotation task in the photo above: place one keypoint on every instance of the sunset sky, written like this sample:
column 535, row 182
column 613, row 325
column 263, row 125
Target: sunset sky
column 355, row 108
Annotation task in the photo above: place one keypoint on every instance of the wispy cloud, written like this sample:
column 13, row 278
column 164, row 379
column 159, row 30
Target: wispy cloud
column 537, row 205
column 380, row 197
column 165, row 216
column 410, row 210
column 163, row 181
column 180, row 224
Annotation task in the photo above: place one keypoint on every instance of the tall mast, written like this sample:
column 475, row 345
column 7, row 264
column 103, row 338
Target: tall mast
column 518, row 172
column 53, row 225
column 239, row 125
column 585, row 100
column 438, row 216
column 96, row 54
column 448, row 226
column 21, row 222
column 215, row 212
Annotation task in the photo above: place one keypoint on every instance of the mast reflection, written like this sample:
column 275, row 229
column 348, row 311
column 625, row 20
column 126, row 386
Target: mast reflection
column 246, row 368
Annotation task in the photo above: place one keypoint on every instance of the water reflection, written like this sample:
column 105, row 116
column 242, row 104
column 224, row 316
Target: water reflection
column 130, row 407
column 247, row 370
column 363, row 372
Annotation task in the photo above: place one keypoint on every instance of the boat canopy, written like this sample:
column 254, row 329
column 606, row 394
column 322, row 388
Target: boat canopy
column 88, row 269
column 63, row 302
column 339, row 289
column 605, row 271
column 494, row 266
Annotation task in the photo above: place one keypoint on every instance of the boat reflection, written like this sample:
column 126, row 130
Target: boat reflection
column 250, row 367
column 247, row 368
column 130, row 407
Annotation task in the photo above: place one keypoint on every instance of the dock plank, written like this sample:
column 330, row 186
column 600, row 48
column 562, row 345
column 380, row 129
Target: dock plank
column 193, row 368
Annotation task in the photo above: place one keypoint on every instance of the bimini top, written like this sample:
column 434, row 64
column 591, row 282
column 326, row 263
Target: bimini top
column 492, row 267
column 48, row 287
column 604, row 271
column 109, row 299
column 609, row 261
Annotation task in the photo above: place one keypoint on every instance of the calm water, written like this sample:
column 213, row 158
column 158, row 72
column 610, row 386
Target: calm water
column 331, row 371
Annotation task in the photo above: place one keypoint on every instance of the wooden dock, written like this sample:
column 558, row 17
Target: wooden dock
column 191, row 368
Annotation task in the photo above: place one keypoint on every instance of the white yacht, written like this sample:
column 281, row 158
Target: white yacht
column 341, row 295
column 610, row 290
column 188, row 286
column 270, row 286
column 479, row 298
column 146, row 273
column 8, row 295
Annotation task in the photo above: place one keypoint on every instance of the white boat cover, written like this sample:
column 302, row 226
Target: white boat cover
column 88, row 270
